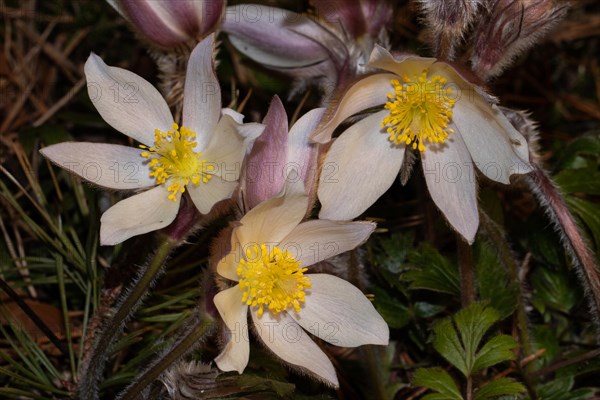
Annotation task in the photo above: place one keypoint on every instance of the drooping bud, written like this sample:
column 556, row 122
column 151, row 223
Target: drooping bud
column 447, row 21
column 357, row 17
column 511, row 27
column 168, row 23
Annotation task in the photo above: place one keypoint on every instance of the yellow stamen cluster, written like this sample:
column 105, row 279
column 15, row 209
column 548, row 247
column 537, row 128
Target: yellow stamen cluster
column 420, row 110
column 172, row 159
column 272, row 278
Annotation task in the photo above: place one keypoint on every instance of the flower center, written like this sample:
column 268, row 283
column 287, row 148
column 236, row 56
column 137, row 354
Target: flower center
column 420, row 110
column 272, row 278
column 172, row 159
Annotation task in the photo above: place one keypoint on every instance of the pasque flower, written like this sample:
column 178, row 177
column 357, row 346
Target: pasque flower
column 203, row 156
column 271, row 253
column 278, row 156
column 168, row 23
column 429, row 107
column 330, row 47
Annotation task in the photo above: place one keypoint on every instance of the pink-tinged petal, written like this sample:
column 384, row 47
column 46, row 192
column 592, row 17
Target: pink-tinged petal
column 339, row 313
column 265, row 165
column 407, row 65
column 451, row 182
column 274, row 219
column 108, row 165
column 376, row 14
column 126, row 101
column 495, row 145
column 301, row 153
column 288, row 341
column 154, row 21
column 142, row 213
column 360, row 166
column 267, row 35
column 347, row 14
column 201, row 93
column 195, row 17
column 368, row 92
column 236, row 353
column 319, row 239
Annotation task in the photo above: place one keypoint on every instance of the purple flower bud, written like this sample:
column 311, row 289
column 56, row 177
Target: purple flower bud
column 168, row 23
column 264, row 172
column 511, row 27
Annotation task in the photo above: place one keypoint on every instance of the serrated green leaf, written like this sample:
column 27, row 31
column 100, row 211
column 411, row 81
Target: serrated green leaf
column 439, row 380
column 554, row 288
column 499, row 387
column 391, row 252
column 432, row 271
column 447, row 343
column 496, row 350
column 457, row 339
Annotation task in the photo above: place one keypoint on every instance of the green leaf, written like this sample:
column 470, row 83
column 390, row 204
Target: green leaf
column 432, row 271
column 395, row 314
column 497, row 349
column 554, row 288
column 499, row 387
column 581, row 180
column 589, row 213
column 586, row 145
column 439, row 380
column 391, row 252
column 494, row 283
column 458, row 339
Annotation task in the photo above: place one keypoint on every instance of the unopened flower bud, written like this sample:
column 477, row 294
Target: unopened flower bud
column 447, row 21
column 168, row 23
column 511, row 27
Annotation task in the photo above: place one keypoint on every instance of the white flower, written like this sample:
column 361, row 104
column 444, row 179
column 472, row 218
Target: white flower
column 203, row 156
column 430, row 107
column 269, row 254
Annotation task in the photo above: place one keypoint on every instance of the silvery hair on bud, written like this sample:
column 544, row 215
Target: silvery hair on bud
column 189, row 380
column 447, row 21
column 511, row 27
column 522, row 122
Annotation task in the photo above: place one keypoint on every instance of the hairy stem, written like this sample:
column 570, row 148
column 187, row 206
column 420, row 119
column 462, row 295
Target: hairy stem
column 467, row 276
column 192, row 335
column 93, row 366
column 571, row 237
column 496, row 235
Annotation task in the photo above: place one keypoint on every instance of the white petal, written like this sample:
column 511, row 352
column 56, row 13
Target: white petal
column 202, row 93
column 226, row 150
column 496, row 147
column 107, row 165
column 237, row 117
column 236, row 353
column 360, row 166
column 301, row 153
column 227, row 266
column 142, row 213
column 206, row 195
column 339, row 313
column 317, row 240
column 381, row 58
column 250, row 131
column 272, row 220
column 284, row 337
column 451, row 182
column 129, row 103
column 366, row 93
